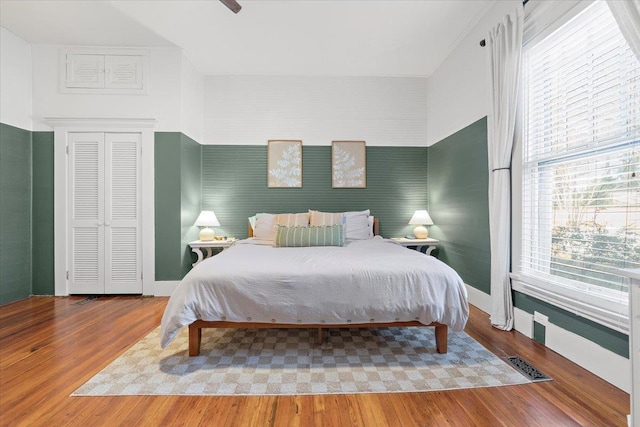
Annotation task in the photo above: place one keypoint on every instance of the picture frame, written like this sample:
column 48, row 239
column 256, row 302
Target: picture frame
column 284, row 164
column 348, row 164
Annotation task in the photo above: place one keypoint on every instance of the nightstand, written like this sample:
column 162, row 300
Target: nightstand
column 198, row 245
column 430, row 243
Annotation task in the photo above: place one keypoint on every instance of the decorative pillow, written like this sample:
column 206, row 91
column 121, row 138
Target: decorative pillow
column 357, row 225
column 319, row 219
column 293, row 219
column 253, row 219
column 265, row 228
column 310, row 236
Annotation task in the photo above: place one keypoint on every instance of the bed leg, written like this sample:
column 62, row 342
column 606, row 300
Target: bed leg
column 319, row 335
column 441, row 338
column 195, row 336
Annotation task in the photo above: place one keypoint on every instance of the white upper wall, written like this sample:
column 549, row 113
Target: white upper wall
column 15, row 81
column 388, row 111
column 192, row 100
column 163, row 102
column 459, row 88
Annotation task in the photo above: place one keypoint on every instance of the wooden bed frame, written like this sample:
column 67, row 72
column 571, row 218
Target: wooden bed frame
column 195, row 329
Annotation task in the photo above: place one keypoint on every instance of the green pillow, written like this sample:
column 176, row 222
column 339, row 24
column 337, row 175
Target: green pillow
column 310, row 236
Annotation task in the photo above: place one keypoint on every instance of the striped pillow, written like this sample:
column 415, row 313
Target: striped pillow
column 318, row 219
column 293, row 219
column 288, row 237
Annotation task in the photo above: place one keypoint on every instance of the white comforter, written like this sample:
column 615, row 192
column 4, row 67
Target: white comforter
column 365, row 281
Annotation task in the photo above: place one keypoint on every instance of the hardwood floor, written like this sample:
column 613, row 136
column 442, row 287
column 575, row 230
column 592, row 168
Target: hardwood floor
column 50, row 346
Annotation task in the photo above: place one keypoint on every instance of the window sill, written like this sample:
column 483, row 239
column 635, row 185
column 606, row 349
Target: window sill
column 615, row 316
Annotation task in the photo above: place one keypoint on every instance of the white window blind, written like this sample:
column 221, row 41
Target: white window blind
column 581, row 163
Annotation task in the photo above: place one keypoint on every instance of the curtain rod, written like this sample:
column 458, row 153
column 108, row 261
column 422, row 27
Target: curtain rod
column 483, row 42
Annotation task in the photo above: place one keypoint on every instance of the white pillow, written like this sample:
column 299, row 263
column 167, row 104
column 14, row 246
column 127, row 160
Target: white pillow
column 325, row 219
column 357, row 225
column 266, row 227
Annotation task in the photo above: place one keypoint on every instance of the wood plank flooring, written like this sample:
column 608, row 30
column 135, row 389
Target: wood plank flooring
column 49, row 346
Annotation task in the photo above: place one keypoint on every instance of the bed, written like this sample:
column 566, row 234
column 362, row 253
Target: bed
column 370, row 283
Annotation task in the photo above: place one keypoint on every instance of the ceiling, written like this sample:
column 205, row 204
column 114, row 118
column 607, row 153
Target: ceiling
column 277, row 37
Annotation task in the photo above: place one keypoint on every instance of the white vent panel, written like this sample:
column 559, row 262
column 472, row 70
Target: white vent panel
column 124, row 255
column 85, row 71
column 85, row 180
column 85, row 255
column 124, row 179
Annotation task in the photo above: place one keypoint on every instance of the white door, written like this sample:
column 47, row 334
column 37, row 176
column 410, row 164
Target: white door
column 104, row 224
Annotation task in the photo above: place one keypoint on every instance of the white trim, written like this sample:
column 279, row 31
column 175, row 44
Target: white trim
column 102, row 122
column 165, row 288
column 606, row 364
column 616, row 320
column 479, row 298
column 523, row 322
column 62, row 126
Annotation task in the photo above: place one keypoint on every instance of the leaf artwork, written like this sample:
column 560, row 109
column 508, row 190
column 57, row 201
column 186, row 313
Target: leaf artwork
column 288, row 173
column 345, row 174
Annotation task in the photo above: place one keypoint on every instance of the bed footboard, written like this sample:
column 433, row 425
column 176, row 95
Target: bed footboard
column 195, row 330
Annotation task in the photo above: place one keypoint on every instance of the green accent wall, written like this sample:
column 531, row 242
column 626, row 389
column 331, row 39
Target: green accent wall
column 15, row 213
column 177, row 195
column 234, row 185
column 42, row 253
column 459, row 203
column 191, row 196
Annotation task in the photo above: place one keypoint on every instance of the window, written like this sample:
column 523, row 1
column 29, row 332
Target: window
column 581, row 166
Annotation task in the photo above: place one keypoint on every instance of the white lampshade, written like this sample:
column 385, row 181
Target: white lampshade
column 421, row 218
column 207, row 219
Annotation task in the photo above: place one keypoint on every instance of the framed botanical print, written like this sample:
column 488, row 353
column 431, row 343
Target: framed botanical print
column 348, row 164
column 284, row 163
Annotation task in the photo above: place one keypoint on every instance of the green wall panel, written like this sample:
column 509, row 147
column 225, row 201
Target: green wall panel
column 167, row 205
column 191, row 194
column 234, row 185
column 42, row 223
column 178, row 191
column 15, row 213
column 459, row 205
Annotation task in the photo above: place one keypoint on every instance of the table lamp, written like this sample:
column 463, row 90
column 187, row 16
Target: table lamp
column 207, row 219
column 421, row 218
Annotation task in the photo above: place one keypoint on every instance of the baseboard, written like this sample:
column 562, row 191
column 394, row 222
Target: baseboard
column 523, row 322
column 606, row 364
column 165, row 288
column 584, row 353
column 479, row 299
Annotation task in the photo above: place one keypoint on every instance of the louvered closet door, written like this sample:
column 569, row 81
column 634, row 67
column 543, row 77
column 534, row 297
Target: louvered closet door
column 104, row 179
column 86, row 211
column 123, row 264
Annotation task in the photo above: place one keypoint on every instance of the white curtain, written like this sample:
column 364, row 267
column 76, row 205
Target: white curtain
column 627, row 14
column 505, row 44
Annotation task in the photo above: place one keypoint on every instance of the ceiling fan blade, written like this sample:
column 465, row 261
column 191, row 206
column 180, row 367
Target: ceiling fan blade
column 232, row 4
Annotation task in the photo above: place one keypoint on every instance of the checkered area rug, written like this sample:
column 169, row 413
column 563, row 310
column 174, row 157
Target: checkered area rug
column 290, row 361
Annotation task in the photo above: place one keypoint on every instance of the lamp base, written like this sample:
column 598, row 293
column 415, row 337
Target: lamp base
column 207, row 234
column 421, row 232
